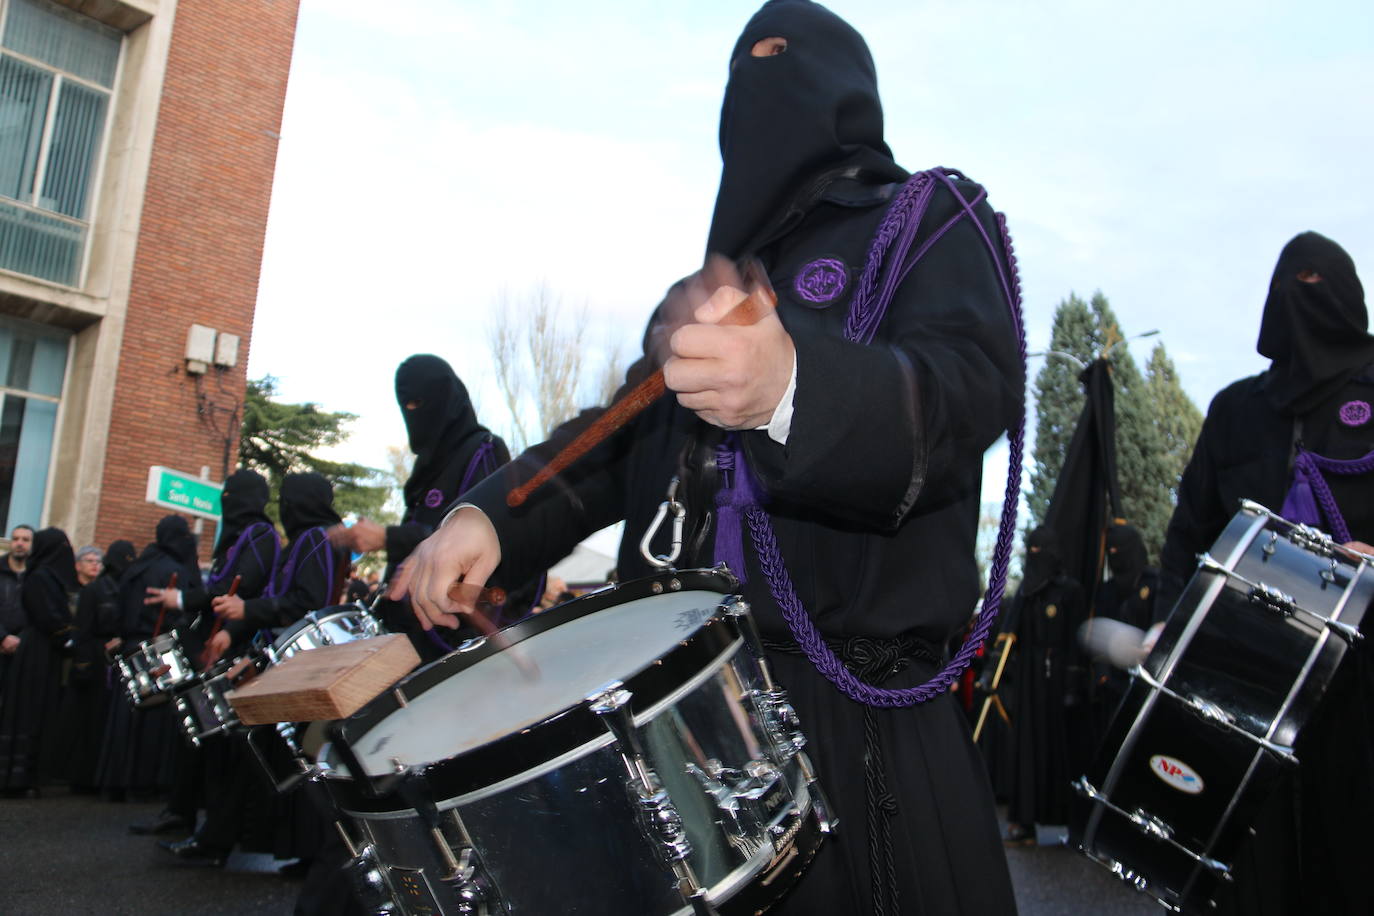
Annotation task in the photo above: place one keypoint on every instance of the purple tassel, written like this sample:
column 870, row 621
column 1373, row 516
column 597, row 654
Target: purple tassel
column 1300, row 505
column 738, row 492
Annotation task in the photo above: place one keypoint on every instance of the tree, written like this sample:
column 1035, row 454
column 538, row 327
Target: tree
column 1155, row 425
column 542, row 365
column 279, row 439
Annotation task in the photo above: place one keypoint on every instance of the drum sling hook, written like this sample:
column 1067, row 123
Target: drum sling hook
column 679, row 513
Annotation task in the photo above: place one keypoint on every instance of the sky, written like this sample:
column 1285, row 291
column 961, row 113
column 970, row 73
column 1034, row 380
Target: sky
column 442, row 159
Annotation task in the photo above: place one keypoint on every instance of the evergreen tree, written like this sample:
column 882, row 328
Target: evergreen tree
column 279, row 439
column 1156, row 423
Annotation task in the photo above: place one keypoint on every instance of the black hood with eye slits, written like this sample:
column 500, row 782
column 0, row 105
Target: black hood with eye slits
column 793, row 122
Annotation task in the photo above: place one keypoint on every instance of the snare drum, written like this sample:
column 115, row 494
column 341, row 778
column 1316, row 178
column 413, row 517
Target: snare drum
column 204, row 704
column 1211, row 717
column 331, row 626
column 636, row 758
column 153, row 669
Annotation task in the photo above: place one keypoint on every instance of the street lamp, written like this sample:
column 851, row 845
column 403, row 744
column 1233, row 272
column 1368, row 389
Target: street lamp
column 1106, row 351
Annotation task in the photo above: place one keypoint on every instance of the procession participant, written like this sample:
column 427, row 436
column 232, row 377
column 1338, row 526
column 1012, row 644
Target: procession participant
column 32, row 747
column 1298, row 438
column 1047, row 688
column 140, row 745
column 867, row 449
column 452, row 451
column 11, row 609
column 309, row 577
column 86, row 703
column 246, row 553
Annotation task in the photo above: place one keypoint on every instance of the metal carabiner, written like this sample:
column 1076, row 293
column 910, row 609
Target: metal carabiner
column 679, row 512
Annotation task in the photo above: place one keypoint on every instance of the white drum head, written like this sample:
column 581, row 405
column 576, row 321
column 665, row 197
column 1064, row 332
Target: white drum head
column 495, row 697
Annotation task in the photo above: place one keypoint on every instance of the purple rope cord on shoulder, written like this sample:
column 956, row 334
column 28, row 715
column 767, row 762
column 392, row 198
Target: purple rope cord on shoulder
column 869, row 305
column 1310, row 490
column 248, row 537
column 476, row 463
column 281, row 583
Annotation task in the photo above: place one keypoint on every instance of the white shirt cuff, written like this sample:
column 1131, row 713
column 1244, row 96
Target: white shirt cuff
column 454, row 511
column 780, row 426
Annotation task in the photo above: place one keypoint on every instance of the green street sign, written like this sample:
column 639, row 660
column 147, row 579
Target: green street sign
column 183, row 492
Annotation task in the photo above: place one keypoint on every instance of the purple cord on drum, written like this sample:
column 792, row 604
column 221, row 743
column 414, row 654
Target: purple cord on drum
column 867, row 309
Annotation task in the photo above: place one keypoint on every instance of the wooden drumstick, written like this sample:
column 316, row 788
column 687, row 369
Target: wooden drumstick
column 219, row 621
column 492, row 596
column 759, row 303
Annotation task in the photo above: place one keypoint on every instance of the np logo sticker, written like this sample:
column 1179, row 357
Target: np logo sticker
column 1176, row 773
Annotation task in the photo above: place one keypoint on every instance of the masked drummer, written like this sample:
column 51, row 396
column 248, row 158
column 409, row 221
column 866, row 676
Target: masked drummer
column 866, row 451
column 1299, row 439
column 452, row 452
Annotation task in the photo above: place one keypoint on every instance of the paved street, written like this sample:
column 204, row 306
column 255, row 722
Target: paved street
column 71, row 855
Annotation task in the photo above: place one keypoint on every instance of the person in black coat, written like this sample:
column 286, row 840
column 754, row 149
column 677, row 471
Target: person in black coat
column 140, row 744
column 86, row 705
column 1046, row 683
column 12, row 619
column 1299, row 431
column 32, row 747
column 453, row 451
column 861, row 428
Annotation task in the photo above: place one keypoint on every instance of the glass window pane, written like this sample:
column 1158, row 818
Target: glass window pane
column 33, row 357
column 34, row 455
column 24, row 93
column 40, row 246
column 64, row 39
column 11, row 419
column 71, row 157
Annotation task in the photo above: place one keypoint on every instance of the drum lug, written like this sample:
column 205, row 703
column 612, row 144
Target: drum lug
column 1150, row 825
column 780, row 722
column 369, row 882
column 741, row 796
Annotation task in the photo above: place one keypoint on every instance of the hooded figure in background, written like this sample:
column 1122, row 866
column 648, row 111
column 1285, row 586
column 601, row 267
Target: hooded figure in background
column 1128, row 595
column 33, row 747
column 452, row 452
column 1298, row 439
column 873, row 512
column 141, row 747
column 1045, row 684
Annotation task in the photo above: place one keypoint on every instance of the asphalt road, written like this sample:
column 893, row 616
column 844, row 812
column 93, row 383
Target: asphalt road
column 66, row 854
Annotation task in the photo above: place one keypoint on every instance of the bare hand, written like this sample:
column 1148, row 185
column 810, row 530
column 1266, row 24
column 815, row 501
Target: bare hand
column 216, row 647
column 466, row 549
column 9, row 644
column 730, row 376
column 230, row 607
column 167, row 597
column 367, row 536
column 1359, row 547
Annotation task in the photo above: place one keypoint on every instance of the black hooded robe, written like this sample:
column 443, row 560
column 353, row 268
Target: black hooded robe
column 875, row 496
column 1312, row 842
column 141, row 744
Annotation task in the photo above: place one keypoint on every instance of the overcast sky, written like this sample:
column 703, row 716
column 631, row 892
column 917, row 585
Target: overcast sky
column 438, row 155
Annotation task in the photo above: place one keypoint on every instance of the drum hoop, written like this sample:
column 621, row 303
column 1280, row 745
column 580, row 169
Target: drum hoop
column 314, row 620
column 555, row 736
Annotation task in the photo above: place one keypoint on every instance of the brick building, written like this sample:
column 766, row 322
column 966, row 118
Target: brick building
column 138, row 140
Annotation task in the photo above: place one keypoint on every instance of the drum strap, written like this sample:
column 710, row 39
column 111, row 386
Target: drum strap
column 895, row 236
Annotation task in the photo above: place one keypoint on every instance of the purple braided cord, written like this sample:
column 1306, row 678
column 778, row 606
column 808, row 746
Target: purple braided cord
column 281, row 583
column 249, row 537
column 478, row 459
column 765, row 543
column 1310, row 465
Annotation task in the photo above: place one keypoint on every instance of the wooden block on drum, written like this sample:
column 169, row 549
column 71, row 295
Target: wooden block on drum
column 330, row 682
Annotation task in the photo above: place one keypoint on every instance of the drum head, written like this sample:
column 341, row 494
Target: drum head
column 566, row 663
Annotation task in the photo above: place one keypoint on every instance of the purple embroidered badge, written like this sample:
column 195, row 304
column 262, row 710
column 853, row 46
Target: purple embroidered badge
column 433, row 498
column 1355, row 413
column 822, row 281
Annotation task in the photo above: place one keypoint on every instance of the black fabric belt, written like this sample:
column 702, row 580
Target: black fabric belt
column 872, row 659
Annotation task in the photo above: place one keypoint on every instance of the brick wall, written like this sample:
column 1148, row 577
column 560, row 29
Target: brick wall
column 199, row 250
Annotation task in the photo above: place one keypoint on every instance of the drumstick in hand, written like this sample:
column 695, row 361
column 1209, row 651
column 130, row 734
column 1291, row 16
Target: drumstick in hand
column 760, row 301
column 219, row 622
column 162, row 611
column 470, row 596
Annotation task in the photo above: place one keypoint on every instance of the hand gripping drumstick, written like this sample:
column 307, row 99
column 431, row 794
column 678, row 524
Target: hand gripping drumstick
column 759, row 303
column 459, row 590
column 219, row 622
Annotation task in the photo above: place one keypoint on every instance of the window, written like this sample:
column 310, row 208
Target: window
column 57, row 68
column 33, row 362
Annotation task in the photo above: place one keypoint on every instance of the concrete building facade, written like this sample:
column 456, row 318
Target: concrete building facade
column 138, row 141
